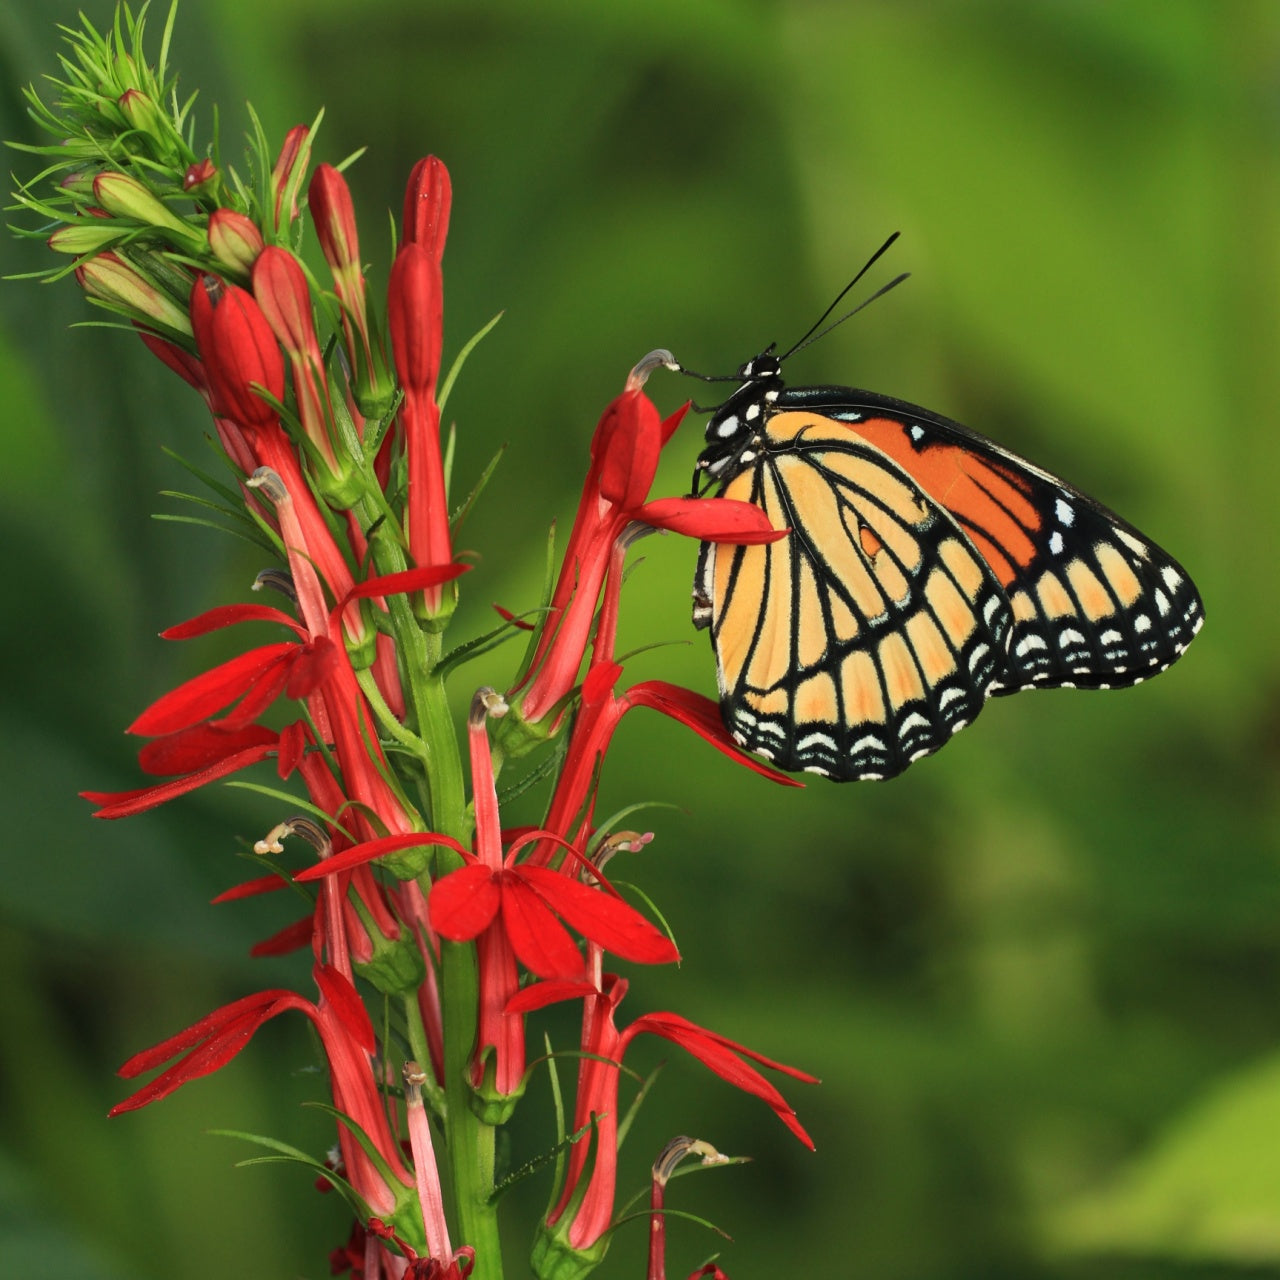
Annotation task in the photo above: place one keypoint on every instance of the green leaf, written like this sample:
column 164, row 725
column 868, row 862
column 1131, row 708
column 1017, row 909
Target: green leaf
column 461, row 359
column 455, row 521
column 1208, row 1189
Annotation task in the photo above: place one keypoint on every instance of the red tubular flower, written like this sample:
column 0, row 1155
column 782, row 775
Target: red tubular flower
column 624, row 461
column 587, row 1197
column 600, row 712
column 348, row 1039
column 415, row 314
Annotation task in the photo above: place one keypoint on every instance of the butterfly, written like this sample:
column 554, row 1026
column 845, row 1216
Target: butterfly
column 927, row 569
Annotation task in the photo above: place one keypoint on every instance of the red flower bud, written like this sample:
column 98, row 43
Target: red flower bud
column 238, row 350
column 286, row 176
column 415, row 311
column 199, row 176
column 427, row 200
column 329, row 199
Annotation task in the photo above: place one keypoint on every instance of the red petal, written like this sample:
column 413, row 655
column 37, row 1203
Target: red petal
column 227, row 615
column 391, row 584
column 541, row 943
column 293, row 937
column 345, row 1001
column 206, row 1058
column 264, row 690
column 627, row 442
column 670, row 424
column 211, row 1024
column 367, row 851
column 123, row 804
column 713, row 1053
column 200, row 697
column 293, row 743
column 197, row 747
column 711, row 519
column 315, row 663
column 542, row 994
column 464, row 903
column 613, row 924
column 250, row 889
column 702, row 716
column 599, row 683
column 507, row 616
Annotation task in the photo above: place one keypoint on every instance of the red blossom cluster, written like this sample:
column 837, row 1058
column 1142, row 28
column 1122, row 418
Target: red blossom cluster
column 326, row 403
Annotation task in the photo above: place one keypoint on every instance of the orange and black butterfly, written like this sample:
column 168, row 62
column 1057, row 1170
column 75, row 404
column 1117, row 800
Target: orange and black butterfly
column 927, row 568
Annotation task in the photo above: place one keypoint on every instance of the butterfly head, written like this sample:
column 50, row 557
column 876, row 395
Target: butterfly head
column 765, row 366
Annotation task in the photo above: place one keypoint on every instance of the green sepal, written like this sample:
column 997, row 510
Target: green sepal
column 396, row 966
column 489, row 1104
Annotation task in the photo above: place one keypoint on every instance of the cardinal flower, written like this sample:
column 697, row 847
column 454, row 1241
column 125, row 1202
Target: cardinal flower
column 581, row 1216
column 624, row 460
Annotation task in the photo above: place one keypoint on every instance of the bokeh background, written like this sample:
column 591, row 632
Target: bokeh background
column 1039, row 973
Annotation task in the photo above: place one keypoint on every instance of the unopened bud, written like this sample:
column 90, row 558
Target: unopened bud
column 234, row 240
column 200, row 177
column 142, row 113
column 110, row 278
column 85, row 237
column 126, row 197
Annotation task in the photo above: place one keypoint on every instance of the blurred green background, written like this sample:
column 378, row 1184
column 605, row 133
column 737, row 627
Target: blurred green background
column 1038, row 973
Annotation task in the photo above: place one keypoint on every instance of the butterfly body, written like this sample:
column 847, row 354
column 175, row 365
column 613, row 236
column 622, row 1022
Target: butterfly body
column 927, row 568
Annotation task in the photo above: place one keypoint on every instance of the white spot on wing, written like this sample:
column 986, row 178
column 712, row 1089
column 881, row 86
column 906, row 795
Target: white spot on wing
column 1055, row 543
column 1064, row 511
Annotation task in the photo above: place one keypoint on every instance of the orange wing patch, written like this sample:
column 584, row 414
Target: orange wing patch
column 992, row 503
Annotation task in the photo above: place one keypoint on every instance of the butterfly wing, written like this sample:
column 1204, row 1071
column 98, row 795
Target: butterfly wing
column 872, row 633
column 1095, row 604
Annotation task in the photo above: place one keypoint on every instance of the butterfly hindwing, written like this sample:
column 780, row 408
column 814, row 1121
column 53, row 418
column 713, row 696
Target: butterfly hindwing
column 871, row 634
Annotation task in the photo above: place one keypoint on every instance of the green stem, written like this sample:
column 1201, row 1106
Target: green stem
column 469, row 1141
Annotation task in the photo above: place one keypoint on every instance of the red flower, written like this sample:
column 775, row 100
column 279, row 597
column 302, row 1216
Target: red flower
column 624, row 461
column 587, row 1197
column 348, row 1039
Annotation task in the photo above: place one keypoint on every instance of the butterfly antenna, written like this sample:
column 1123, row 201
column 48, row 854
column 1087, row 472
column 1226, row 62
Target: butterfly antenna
column 879, row 293
column 714, row 377
column 871, row 262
